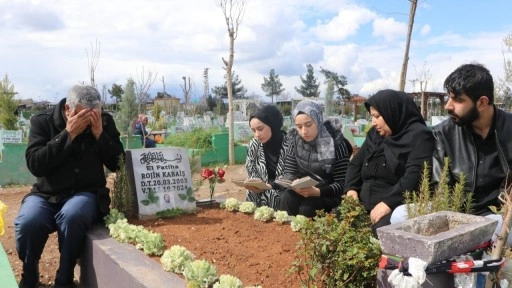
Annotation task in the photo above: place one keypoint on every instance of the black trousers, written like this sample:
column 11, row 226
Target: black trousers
column 296, row 204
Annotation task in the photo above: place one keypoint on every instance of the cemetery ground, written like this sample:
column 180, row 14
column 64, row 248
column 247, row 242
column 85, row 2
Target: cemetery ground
column 236, row 244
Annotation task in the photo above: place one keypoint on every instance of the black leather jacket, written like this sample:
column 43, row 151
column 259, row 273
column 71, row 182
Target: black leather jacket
column 457, row 143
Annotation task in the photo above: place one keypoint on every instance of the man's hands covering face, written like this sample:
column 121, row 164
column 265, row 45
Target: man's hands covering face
column 77, row 122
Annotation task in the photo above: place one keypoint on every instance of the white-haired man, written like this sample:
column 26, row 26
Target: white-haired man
column 68, row 147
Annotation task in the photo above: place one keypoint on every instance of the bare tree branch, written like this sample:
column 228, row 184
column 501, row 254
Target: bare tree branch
column 234, row 11
column 92, row 61
column 144, row 82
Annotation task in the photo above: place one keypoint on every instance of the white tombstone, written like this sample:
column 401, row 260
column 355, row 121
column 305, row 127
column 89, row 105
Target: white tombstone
column 162, row 179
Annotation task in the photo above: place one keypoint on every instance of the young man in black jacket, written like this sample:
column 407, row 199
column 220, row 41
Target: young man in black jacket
column 68, row 147
column 476, row 139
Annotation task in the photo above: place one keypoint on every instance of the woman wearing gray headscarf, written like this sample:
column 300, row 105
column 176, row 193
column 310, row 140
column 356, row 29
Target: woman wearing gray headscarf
column 317, row 150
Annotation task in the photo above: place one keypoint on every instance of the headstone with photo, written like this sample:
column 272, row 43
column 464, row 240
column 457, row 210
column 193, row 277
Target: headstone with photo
column 162, row 179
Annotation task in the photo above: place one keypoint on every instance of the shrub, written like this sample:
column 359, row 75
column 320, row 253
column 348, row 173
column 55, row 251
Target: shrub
column 197, row 138
column 338, row 251
column 122, row 196
column 443, row 198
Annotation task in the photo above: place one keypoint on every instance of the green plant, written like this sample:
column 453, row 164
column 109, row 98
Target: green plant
column 247, row 207
column 113, row 216
column 281, row 216
column 263, row 213
column 298, row 222
column 231, row 204
column 338, row 251
column 196, row 139
column 151, row 243
column 228, row 281
column 188, row 196
column 171, row 213
column 444, row 197
column 152, row 198
column 175, row 258
column 200, row 273
column 122, row 196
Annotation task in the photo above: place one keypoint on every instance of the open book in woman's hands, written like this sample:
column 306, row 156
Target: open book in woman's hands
column 304, row 182
column 253, row 182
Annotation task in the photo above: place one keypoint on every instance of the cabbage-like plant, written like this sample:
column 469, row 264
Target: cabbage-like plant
column 113, row 216
column 298, row 222
column 247, row 207
column 200, row 273
column 263, row 213
column 175, row 258
column 232, row 204
column 281, row 216
column 228, row 281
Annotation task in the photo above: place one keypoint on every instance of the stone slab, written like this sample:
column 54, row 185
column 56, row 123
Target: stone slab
column 436, row 237
column 108, row 263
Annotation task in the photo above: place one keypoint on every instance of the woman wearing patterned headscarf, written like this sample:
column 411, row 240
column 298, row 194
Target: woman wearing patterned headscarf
column 265, row 155
column 319, row 151
column 391, row 158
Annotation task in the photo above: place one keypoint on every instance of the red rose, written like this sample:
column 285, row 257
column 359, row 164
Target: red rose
column 221, row 173
column 207, row 173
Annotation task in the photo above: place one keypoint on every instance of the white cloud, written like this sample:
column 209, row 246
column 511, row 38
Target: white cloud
column 389, row 29
column 425, row 30
column 346, row 23
column 45, row 43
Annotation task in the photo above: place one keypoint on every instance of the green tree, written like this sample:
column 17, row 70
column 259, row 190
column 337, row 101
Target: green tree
column 210, row 102
column 116, row 92
column 329, row 94
column 128, row 108
column 339, row 82
column 8, row 105
column 272, row 86
column 238, row 89
column 309, row 87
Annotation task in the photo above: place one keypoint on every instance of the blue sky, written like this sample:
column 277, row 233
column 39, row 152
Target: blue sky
column 44, row 44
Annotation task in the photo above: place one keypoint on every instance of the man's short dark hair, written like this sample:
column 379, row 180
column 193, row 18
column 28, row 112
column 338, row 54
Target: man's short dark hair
column 473, row 79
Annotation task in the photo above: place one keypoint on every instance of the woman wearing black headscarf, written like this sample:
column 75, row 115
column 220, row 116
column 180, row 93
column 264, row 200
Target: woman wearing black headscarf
column 317, row 149
column 265, row 155
column 391, row 158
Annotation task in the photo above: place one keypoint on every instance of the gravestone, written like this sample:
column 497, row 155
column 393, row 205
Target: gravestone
column 162, row 179
column 242, row 131
column 11, row 136
column 287, row 122
column 220, row 121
